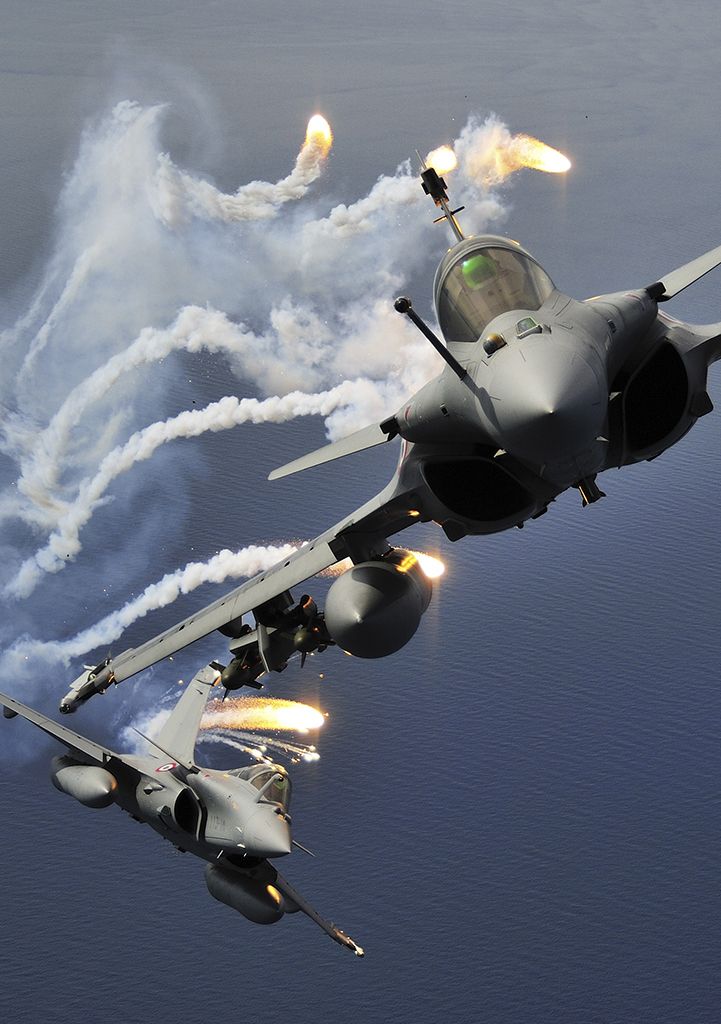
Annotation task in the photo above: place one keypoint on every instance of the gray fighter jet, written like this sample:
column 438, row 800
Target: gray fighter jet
column 236, row 820
column 540, row 393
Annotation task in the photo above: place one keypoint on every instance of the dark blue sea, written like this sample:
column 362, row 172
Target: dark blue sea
column 519, row 815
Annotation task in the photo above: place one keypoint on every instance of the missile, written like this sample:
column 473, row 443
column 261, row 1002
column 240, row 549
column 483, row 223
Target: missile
column 87, row 684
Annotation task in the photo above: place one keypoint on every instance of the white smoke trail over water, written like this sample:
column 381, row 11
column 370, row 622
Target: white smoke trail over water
column 194, row 330
column 225, row 565
column 64, row 543
column 40, row 455
column 77, row 279
column 104, row 181
column 180, row 195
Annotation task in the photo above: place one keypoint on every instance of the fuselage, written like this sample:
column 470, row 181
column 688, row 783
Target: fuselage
column 241, row 813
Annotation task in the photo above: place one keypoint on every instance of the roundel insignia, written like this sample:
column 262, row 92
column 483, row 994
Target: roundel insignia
column 167, row 767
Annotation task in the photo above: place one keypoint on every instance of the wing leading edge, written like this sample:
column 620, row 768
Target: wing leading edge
column 72, row 740
column 676, row 280
column 360, row 441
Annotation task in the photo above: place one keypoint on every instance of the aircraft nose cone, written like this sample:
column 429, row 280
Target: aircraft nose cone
column 548, row 402
column 267, row 834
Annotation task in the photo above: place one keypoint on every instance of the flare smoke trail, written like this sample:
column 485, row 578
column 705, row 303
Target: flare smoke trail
column 254, row 743
column 223, row 566
column 43, row 457
column 256, row 746
column 180, row 195
column 487, row 152
column 261, row 713
column 64, row 543
column 40, row 453
column 151, row 261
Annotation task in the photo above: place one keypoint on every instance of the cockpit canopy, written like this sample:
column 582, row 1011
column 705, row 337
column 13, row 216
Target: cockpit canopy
column 481, row 278
column 259, row 774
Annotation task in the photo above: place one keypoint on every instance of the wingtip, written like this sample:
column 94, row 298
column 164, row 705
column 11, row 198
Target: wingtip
column 286, row 470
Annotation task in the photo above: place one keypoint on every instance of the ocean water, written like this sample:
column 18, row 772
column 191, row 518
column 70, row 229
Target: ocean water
column 518, row 816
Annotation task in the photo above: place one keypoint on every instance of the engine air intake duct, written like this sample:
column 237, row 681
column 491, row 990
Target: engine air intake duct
column 374, row 608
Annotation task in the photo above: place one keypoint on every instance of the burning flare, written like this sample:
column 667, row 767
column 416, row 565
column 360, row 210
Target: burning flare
column 431, row 566
column 262, row 713
column 442, row 159
column 525, row 151
column 178, row 195
column 517, row 151
column 490, row 154
column 318, row 135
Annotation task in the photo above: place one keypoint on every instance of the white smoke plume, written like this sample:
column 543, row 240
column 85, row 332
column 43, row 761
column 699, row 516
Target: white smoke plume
column 179, row 195
column 42, row 456
column 64, row 543
column 221, row 567
column 40, row 453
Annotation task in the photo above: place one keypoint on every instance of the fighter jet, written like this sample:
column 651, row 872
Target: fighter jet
column 237, row 820
column 540, row 392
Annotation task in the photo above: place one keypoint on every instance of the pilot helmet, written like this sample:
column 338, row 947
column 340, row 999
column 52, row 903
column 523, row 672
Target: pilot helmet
column 478, row 270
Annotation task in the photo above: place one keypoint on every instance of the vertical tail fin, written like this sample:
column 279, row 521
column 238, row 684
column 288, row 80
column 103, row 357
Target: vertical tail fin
column 178, row 735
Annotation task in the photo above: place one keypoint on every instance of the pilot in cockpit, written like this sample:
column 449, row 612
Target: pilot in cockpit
column 489, row 281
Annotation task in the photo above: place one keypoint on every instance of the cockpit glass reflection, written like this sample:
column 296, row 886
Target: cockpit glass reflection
column 485, row 283
column 258, row 775
column 278, row 792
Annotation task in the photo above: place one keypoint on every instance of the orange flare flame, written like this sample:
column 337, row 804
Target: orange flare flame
column 432, row 567
column 319, row 134
column 533, row 153
column 262, row 713
column 523, row 151
column 442, row 159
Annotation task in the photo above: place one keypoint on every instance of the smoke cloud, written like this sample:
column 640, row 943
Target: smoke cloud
column 178, row 196
column 64, row 543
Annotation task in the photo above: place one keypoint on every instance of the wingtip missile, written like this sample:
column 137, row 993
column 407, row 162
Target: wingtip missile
column 86, row 686
column 349, row 943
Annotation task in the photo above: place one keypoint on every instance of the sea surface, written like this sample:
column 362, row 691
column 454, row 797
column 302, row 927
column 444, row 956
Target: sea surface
column 519, row 815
